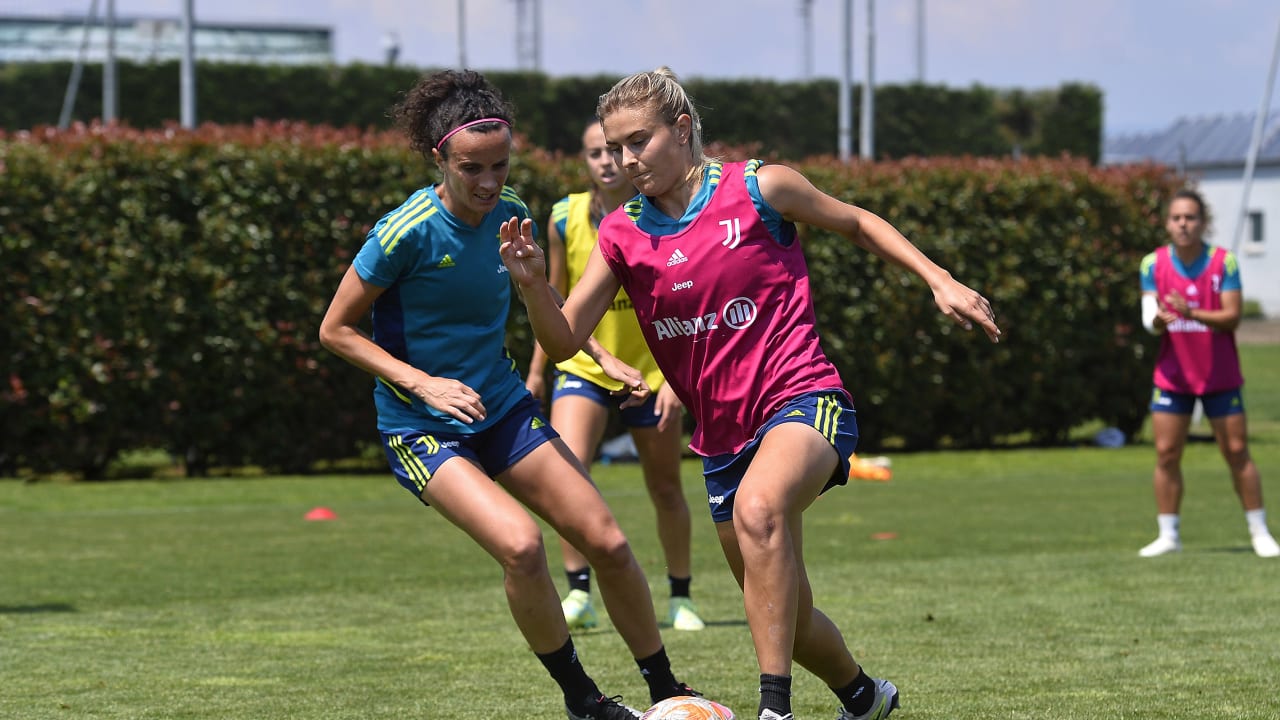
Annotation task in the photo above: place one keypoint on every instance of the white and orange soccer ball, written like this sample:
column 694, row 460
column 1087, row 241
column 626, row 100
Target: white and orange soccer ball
column 685, row 707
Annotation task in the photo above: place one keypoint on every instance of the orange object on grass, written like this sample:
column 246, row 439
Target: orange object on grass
column 875, row 470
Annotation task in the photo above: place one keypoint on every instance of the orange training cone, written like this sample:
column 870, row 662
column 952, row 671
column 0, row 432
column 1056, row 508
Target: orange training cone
column 321, row 513
column 876, row 470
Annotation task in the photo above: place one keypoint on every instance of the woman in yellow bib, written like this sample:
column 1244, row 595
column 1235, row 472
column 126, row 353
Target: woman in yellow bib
column 581, row 393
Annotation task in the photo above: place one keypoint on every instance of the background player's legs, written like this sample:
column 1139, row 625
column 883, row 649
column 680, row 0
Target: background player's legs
column 1169, row 431
column 1232, row 433
column 581, row 423
column 660, row 453
column 468, row 498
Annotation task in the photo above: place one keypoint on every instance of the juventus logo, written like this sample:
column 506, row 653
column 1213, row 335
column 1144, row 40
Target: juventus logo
column 732, row 233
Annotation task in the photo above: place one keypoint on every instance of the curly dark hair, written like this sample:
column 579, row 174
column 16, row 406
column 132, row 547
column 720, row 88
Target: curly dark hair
column 1193, row 196
column 441, row 101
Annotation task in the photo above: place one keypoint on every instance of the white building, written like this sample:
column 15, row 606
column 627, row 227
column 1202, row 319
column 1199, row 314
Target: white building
column 1211, row 152
column 152, row 39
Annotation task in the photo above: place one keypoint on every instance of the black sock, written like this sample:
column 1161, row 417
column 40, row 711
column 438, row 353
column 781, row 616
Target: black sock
column 857, row 696
column 579, row 579
column 775, row 694
column 679, row 586
column 569, row 674
column 656, row 670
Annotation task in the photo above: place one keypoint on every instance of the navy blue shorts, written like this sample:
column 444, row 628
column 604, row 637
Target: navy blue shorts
column 829, row 412
column 1216, row 405
column 566, row 383
column 415, row 456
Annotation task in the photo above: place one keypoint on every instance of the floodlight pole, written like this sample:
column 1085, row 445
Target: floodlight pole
column 1255, row 144
column 77, row 69
column 866, row 131
column 806, row 39
column 188, row 81
column 462, row 34
column 920, row 41
column 537, row 35
column 109, row 85
column 844, row 135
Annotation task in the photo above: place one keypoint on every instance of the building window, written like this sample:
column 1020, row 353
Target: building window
column 1254, row 244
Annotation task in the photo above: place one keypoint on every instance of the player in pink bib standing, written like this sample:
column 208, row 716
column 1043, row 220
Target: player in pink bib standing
column 1191, row 297
column 709, row 256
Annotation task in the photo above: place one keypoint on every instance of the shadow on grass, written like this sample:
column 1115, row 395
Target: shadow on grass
column 1226, row 550
column 663, row 625
column 33, row 609
column 666, row 625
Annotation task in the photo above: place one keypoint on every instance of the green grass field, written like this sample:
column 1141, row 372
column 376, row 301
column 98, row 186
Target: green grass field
column 1012, row 589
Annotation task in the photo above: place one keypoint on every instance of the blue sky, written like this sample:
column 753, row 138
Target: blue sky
column 1155, row 60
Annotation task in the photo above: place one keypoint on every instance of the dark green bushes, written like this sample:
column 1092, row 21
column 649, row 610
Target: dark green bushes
column 163, row 289
column 793, row 119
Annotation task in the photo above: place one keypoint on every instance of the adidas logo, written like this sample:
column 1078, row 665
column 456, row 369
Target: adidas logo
column 447, row 262
column 795, row 413
column 536, row 424
column 676, row 258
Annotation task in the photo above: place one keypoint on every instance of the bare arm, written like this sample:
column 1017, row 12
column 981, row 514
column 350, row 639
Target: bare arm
column 797, row 199
column 560, row 331
column 557, row 269
column 340, row 334
column 632, row 380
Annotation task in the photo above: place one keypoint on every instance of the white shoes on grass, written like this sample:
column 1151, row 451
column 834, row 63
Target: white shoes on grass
column 1263, row 546
column 1162, row 545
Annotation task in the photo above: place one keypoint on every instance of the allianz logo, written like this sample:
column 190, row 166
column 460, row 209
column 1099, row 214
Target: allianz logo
column 1187, row 325
column 737, row 314
column 675, row 327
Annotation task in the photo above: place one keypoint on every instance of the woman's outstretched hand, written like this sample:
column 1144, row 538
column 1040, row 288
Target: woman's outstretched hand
column 966, row 306
column 521, row 254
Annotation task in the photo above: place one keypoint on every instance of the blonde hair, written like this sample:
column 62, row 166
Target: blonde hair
column 659, row 91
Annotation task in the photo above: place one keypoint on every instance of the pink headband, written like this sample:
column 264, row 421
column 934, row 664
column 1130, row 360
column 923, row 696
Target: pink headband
column 464, row 126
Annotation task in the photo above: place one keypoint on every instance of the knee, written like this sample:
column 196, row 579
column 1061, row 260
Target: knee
column 608, row 550
column 756, row 521
column 1236, row 453
column 668, row 497
column 1168, row 455
column 524, row 555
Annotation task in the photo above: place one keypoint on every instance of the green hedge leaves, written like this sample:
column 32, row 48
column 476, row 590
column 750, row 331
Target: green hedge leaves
column 163, row 289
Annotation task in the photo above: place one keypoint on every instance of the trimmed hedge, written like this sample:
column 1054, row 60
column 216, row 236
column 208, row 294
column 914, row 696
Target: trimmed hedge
column 163, row 289
column 794, row 119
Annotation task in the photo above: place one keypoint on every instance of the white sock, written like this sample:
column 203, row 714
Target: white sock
column 1257, row 520
column 1168, row 524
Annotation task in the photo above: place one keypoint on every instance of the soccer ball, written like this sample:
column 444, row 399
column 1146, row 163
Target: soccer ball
column 685, row 707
